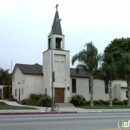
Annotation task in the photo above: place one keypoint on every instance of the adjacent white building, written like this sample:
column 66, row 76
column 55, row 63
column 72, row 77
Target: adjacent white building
column 27, row 79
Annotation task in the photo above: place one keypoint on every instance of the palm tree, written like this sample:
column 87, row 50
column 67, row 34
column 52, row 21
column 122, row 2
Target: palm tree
column 124, row 68
column 88, row 61
column 108, row 73
column 5, row 77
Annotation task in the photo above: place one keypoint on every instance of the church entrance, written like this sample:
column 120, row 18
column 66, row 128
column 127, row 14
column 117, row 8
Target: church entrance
column 59, row 95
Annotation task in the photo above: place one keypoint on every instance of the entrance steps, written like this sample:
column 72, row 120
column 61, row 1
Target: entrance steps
column 65, row 105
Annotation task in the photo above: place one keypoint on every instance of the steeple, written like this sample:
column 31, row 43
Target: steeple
column 56, row 39
column 56, row 27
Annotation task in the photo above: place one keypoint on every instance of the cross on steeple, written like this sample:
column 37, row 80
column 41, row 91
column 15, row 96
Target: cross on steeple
column 57, row 7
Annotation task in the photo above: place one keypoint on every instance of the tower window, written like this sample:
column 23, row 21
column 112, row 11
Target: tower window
column 58, row 43
column 49, row 43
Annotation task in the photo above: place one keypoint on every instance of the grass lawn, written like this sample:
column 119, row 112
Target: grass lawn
column 104, row 107
column 4, row 106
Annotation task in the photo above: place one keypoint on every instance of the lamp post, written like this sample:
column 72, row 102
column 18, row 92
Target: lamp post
column 52, row 75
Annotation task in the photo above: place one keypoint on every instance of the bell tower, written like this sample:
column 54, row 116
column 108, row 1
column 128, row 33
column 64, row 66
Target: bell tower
column 56, row 37
column 58, row 58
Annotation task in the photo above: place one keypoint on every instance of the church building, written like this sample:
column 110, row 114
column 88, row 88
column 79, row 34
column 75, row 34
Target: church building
column 27, row 79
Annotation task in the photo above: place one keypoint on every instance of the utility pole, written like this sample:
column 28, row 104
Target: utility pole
column 52, row 77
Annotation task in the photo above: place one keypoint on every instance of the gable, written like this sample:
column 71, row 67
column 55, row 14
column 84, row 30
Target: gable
column 29, row 69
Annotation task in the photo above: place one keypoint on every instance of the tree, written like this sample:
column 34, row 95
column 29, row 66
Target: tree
column 5, row 77
column 124, row 68
column 120, row 50
column 117, row 47
column 88, row 61
column 108, row 73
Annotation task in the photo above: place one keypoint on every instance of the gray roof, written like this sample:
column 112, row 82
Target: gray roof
column 81, row 73
column 56, row 27
column 37, row 70
column 30, row 69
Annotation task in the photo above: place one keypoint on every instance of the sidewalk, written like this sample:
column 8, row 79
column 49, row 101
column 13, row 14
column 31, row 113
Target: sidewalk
column 62, row 110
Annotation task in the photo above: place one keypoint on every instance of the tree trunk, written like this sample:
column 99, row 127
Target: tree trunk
column 110, row 94
column 128, row 89
column 91, row 91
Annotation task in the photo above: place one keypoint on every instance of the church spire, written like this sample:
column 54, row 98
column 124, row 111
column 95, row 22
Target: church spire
column 56, row 27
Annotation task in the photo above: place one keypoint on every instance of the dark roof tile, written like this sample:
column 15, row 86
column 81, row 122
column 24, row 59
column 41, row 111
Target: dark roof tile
column 81, row 73
column 30, row 69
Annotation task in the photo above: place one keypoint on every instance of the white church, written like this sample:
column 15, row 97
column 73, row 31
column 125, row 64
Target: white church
column 27, row 79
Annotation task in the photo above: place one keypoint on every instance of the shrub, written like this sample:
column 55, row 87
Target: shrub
column 115, row 99
column 7, row 91
column 35, row 96
column 44, row 100
column 88, row 102
column 116, row 102
column 26, row 101
column 125, row 102
column 106, row 102
column 97, row 102
column 37, row 100
column 78, row 100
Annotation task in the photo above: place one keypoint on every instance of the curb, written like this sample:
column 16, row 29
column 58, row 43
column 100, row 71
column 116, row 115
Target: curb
column 28, row 113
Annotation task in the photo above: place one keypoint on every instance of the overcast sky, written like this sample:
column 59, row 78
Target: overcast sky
column 25, row 24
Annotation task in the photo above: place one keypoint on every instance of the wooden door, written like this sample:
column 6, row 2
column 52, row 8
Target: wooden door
column 59, row 95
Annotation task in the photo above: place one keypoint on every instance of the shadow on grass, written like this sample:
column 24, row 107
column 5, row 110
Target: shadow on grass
column 4, row 106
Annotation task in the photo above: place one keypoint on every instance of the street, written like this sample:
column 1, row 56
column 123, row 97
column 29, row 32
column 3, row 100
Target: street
column 79, row 121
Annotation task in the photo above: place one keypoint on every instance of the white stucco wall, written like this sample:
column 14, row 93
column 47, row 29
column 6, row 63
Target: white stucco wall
column 117, row 92
column 62, row 71
column 26, row 84
column 18, row 82
column 82, row 86
column 47, row 71
column 33, row 84
column 1, row 87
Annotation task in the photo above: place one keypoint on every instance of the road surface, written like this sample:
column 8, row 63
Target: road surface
column 79, row 121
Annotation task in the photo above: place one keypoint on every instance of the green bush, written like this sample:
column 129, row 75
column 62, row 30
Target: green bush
column 96, row 102
column 27, row 101
column 125, row 102
column 88, row 102
column 116, row 102
column 35, row 96
column 7, row 91
column 101, row 101
column 106, row 102
column 44, row 100
column 37, row 100
column 115, row 99
column 78, row 100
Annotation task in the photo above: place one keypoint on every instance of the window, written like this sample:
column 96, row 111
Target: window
column 89, row 85
column 49, row 43
column 22, row 90
column 15, row 92
column 106, row 87
column 45, row 90
column 73, row 85
column 126, row 94
column 58, row 43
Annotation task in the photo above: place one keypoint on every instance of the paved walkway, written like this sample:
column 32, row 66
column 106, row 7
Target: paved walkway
column 41, row 110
